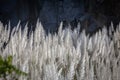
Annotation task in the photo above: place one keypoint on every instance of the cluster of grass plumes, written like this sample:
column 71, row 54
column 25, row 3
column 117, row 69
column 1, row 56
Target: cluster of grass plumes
column 67, row 55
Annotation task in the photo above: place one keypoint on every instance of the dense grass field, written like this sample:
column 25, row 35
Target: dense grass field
column 68, row 55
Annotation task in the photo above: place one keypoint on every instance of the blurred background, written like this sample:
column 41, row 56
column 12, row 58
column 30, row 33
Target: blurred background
column 92, row 14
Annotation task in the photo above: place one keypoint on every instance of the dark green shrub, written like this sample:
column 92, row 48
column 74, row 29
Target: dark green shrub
column 9, row 70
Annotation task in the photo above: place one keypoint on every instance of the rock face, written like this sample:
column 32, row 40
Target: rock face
column 53, row 13
column 91, row 13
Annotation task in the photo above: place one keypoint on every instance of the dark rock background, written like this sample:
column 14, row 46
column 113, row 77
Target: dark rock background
column 92, row 14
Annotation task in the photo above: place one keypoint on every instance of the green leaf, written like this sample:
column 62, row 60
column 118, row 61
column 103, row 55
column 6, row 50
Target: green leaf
column 7, row 67
column 1, row 60
column 9, row 60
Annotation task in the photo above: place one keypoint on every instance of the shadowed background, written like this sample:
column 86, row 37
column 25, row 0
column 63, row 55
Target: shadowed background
column 92, row 14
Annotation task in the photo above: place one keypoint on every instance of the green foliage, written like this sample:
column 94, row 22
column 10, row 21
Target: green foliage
column 7, row 69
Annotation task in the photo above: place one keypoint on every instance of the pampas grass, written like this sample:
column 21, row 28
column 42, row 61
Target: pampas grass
column 68, row 55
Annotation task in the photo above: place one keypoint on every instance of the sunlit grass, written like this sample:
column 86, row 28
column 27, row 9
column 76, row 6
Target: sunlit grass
column 68, row 55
